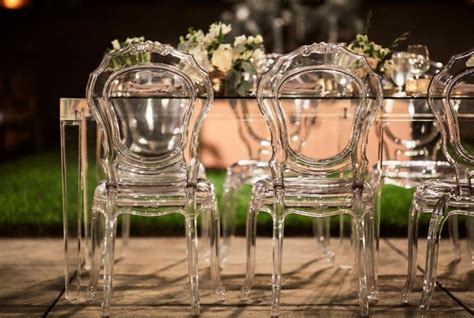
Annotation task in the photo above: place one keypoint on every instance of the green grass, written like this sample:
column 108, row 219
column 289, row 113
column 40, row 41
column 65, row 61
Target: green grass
column 31, row 205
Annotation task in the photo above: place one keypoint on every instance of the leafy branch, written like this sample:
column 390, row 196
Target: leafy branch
column 401, row 38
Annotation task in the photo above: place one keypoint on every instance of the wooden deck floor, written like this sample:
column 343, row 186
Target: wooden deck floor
column 152, row 281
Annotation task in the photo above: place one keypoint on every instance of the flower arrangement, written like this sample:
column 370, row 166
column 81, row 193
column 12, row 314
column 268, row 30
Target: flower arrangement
column 378, row 57
column 233, row 65
column 375, row 54
column 129, row 59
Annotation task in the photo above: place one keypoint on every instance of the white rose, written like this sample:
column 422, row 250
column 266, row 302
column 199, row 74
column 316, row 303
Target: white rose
column 222, row 58
column 258, row 39
column 250, row 40
column 240, row 40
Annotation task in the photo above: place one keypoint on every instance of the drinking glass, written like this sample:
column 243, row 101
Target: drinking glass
column 401, row 69
column 419, row 59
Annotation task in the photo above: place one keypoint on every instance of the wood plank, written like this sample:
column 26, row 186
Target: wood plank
column 152, row 280
column 456, row 276
column 31, row 273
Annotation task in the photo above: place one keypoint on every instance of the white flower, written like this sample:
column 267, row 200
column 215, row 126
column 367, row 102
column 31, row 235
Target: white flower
column 250, row 40
column 470, row 62
column 222, row 58
column 259, row 59
column 216, row 28
column 200, row 55
column 245, row 55
column 115, row 44
column 226, row 28
column 384, row 51
column 358, row 50
column 240, row 40
column 258, row 39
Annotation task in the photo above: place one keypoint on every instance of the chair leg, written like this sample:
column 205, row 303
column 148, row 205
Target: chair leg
column 95, row 254
column 470, row 237
column 360, row 253
column 215, row 254
column 434, row 235
column 278, row 229
column 454, row 236
column 321, row 233
column 413, row 219
column 109, row 259
column 251, row 237
column 125, row 234
column 371, row 259
column 228, row 218
column 192, row 248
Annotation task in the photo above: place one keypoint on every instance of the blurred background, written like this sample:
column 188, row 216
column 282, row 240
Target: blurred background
column 49, row 47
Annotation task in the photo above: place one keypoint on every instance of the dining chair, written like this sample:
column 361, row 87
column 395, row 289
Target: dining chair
column 409, row 160
column 321, row 183
column 411, row 149
column 149, row 101
column 451, row 98
column 249, row 171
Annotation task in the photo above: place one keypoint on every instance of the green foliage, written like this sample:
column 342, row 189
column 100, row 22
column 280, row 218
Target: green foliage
column 30, row 204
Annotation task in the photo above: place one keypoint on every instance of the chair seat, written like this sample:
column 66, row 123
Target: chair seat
column 321, row 193
column 431, row 191
column 411, row 173
column 158, row 195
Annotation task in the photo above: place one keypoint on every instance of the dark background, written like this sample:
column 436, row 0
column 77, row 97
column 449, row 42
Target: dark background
column 49, row 47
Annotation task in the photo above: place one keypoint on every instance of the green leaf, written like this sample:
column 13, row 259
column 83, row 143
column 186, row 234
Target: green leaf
column 243, row 88
column 249, row 68
column 233, row 79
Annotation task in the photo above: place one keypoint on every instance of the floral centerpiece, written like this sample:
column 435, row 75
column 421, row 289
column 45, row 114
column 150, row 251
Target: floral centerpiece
column 232, row 65
column 375, row 54
column 378, row 57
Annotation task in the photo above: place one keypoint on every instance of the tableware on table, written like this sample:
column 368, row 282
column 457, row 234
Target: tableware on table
column 419, row 62
column 400, row 70
column 419, row 59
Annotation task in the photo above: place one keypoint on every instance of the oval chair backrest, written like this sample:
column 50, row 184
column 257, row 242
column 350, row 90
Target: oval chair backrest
column 149, row 100
column 451, row 97
column 319, row 72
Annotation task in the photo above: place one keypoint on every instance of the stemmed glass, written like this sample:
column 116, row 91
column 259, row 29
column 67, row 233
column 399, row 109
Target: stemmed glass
column 401, row 70
column 419, row 60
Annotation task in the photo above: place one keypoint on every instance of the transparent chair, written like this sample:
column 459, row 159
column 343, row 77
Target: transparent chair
column 248, row 172
column 451, row 97
column 149, row 101
column 317, row 184
column 411, row 150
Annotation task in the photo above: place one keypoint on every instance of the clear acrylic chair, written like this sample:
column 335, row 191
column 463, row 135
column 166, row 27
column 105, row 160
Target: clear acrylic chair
column 451, row 98
column 249, row 171
column 411, row 150
column 321, row 184
column 149, row 101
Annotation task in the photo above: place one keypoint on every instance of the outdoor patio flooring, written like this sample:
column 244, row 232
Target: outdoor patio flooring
column 152, row 281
